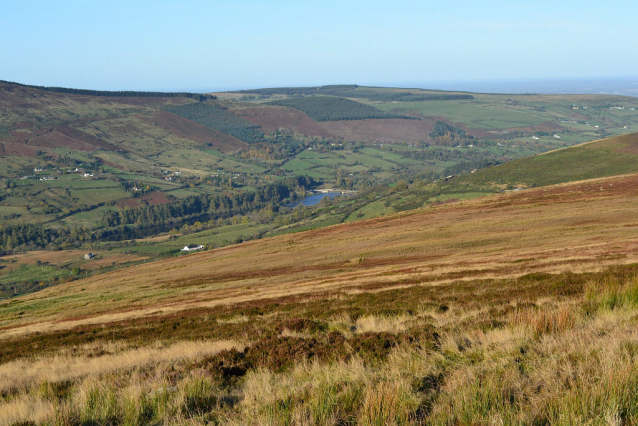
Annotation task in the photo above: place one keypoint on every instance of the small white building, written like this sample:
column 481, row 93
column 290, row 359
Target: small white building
column 193, row 247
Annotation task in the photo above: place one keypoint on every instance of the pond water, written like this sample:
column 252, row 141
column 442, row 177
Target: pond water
column 311, row 200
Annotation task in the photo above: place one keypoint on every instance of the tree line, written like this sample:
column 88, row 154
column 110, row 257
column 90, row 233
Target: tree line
column 214, row 206
column 446, row 154
column 119, row 93
column 333, row 89
column 445, row 134
column 140, row 222
column 216, row 117
column 407, row 96
column 330, row 108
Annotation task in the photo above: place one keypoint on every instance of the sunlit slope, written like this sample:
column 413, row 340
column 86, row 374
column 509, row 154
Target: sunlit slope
column 571, row 227
column 606, row 157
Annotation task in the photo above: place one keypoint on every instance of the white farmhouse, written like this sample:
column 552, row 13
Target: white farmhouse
column 193, row 247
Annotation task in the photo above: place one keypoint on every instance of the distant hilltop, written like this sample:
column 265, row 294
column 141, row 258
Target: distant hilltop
column 118, row 93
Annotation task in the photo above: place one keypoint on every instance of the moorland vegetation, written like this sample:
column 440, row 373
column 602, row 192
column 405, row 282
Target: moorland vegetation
column 429, row 317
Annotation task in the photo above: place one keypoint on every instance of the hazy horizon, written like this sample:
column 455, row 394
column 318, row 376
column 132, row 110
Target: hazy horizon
column 627, row 86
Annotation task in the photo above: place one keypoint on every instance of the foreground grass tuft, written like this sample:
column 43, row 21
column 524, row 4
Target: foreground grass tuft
column 567, row 357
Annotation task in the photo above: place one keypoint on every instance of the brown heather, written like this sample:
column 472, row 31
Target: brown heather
column 513, row 309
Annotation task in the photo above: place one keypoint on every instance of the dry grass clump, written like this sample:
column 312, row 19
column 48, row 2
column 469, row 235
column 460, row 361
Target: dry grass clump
column 138, row 399
column 387, row 324
column 48, row 371
column 21, row 374
column 386, row 403
column 27, row 408
column 568, row 357
column 239, row 319
column 544, row 320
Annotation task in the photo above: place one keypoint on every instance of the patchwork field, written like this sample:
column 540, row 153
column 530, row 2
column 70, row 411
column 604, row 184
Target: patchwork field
column 577, row 227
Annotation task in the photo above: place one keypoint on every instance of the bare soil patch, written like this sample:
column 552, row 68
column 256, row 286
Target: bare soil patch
column 382, row 130
column 271, row 118
column 18, row 149
column 152, row 199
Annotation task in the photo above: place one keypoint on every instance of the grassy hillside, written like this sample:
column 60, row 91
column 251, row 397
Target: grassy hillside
column 470, row 311
column 101, row 153
column 607, row 157
column 493, row 309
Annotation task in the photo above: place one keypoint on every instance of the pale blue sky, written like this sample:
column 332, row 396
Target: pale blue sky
column 213, row 45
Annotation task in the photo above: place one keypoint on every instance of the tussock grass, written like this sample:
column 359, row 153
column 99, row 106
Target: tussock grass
column 27, row 408
column 21, row 374
column 372, row 323
column 557, row 362
column 239, row 319
column 544, row 320
column 612, row 293
column 562, row 353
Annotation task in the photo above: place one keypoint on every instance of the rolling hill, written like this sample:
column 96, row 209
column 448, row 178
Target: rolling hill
column 465, row 298
column 73, row 159
column 607, row 157
column 442, row 315
column 597, row 159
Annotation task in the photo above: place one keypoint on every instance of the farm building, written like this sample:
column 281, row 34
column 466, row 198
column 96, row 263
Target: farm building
column 193, row 247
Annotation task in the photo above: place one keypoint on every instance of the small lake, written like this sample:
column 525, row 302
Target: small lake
column 311, row 200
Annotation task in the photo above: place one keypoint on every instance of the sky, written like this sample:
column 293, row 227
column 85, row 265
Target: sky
column 222, row 45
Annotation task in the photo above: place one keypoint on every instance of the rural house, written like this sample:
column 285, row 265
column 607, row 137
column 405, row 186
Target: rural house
column 193, row 247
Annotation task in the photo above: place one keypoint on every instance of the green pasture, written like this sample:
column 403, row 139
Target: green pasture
column 228, row 233
column 483, row 116
column 325, row 164
column 132, row 163
column 576, row 163
column 203, row 160
column 87, row 219
column 370, row 210
column 33, row 273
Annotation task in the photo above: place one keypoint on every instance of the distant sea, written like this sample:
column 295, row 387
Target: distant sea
column 607, row 86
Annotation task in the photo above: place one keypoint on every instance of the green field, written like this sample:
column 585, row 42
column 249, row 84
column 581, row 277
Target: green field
column 482, row 116
column 598, row 159
column 218, row 236
column 33, row 273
